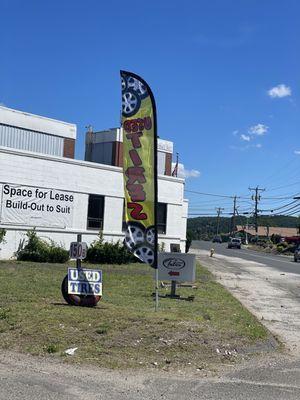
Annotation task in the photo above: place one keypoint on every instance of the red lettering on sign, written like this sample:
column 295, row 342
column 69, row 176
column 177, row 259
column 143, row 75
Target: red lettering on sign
column 135, row 158
column 135, row 174
column 126, row 125
column 136, row 192
column 148, row 123
column 138, row 124
column 136, row 212
column 135, row 139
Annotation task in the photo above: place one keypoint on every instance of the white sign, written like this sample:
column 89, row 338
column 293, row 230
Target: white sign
column 178, row 267
column 78, row 250
column 33, row 206
column 85, row 281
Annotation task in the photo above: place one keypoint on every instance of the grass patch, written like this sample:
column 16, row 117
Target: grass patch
column 123, row 330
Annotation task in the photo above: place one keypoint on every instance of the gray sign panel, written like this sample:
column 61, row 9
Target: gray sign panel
column 178, row 267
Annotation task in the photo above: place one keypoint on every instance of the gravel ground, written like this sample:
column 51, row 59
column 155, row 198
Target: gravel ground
column 271, row 295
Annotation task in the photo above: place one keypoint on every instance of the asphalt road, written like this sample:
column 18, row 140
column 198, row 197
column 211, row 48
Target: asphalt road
column 34, row 378
column 281, row 263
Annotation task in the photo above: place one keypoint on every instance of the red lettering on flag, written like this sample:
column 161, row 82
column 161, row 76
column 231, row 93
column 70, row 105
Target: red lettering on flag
column 136, row 212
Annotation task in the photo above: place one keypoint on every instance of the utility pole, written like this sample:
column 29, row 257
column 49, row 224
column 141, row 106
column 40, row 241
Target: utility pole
column 256, row 198
column 247, row 227
column 219, row 210
column 233, row 216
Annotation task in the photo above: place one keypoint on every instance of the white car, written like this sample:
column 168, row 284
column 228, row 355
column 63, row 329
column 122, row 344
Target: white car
column 234, row 243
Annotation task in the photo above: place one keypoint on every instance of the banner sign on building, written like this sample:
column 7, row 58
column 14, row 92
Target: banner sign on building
column 84, row 282
column 140, row 167
column 36, row 207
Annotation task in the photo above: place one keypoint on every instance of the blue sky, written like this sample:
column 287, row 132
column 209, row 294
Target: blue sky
column 211, row 65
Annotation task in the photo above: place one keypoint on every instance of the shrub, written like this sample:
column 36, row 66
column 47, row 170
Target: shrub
column 188, row 241
column 2, row 235
column 225, row 238
column 276, row 239
column 58, row 254
column 280, row 248
column 108, row 253
column 38, row 250
column 289, row 249
column 162, row 247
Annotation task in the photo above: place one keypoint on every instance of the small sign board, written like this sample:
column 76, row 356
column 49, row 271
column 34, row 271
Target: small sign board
column 179, row 267
column 85, row 281
column 78, row 250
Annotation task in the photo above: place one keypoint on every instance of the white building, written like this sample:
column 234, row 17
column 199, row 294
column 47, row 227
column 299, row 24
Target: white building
column 42, row 186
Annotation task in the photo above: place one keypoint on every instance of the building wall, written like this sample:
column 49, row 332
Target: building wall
column 83, row 178
column 106, row 147
column 23, row 139
column 69, row 148
column 37, row 123
column 24, row 131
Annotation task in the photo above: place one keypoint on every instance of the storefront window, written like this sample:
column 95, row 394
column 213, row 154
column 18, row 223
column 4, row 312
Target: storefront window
column 95, row 212
column 162, row 218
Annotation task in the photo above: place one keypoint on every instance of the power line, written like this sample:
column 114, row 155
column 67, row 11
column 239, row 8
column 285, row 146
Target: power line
column 289, row 209
column 294, row 212
column 209, row 194
column 279, row 198
column 284, row 186
column 281, row 170
column 278, row 208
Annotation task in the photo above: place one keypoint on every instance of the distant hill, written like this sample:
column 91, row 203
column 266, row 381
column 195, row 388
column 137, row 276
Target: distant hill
column 201, row 227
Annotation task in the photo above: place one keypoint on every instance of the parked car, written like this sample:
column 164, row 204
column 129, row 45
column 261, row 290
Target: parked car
column 217, row 239
column 234, row 243
column 297, row 254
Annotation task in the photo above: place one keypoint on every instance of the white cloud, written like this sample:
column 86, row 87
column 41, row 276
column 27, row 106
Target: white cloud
column 246, row 147
column 280, row 91
column 259, row 129
column 297, row 152
column 246, row 138
column 186, row 173
column 235, row 132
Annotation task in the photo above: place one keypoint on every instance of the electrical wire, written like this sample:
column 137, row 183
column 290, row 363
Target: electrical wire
column 278, row 208
column 209, row 194
column 284, row 211
column 284, row 186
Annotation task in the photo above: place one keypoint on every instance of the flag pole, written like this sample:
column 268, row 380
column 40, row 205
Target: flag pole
column 155, row 201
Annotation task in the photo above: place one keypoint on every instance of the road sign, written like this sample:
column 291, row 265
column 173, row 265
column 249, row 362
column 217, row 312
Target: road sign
column 78, row 250
column 179, row 267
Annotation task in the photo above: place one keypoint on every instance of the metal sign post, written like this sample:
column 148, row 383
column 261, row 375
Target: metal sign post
column 78, row 260
column 173, row 294
column 156, row 289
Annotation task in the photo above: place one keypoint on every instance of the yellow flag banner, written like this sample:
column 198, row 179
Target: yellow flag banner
column 139, row 167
